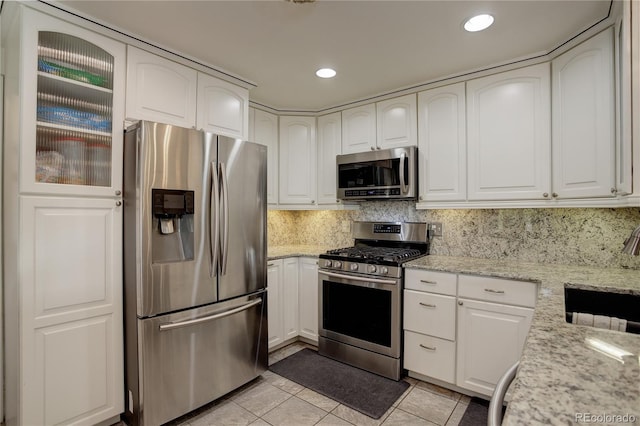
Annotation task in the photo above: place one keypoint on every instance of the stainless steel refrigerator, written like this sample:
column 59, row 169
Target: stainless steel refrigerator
column 195, row 268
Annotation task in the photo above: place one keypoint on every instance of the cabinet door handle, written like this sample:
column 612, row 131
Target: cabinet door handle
column 429, row 348
column 118, row 192
column 427, row 305
column 490, row 290
column 118, row 203
column 428, row 282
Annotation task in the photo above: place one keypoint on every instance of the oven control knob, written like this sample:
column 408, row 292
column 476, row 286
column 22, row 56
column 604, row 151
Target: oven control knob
column 372, row 269
column 384, row 270
column 338, row 264
column 327, row 263
column 354, row 267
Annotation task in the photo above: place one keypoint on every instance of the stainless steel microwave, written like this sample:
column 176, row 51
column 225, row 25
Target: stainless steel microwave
column 378, row 175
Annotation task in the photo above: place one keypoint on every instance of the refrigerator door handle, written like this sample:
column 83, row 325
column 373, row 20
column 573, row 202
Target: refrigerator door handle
column 174, row 325
column 214, row 220
column 225, row 222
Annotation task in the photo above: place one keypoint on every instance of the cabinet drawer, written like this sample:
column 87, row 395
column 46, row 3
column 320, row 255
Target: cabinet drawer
column 434, row 282
column 498, row 290
column 431, row 314
column 430, row 356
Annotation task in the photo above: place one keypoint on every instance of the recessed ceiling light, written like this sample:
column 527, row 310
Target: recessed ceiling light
column 478, row 23
column 326, row 73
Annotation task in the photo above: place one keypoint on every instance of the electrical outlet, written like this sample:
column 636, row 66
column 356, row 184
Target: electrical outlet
column 435, row 229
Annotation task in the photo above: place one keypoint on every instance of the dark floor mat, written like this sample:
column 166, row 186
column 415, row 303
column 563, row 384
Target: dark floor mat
column 361, row 390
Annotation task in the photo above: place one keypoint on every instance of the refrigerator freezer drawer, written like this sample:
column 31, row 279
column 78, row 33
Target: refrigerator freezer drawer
column 193, row 357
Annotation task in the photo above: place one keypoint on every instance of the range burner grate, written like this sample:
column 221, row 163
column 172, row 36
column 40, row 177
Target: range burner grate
column 382, row 254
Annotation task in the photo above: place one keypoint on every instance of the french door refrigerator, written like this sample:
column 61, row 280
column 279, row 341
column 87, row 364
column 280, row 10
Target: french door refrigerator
column 195, row 268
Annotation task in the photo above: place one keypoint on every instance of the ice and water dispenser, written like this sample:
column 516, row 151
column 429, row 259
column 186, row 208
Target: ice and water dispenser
column 172, row 237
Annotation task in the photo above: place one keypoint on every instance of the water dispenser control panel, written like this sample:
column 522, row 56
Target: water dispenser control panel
column 170, row 203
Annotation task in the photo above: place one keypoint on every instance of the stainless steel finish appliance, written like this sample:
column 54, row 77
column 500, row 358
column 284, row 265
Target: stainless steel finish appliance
column 378, row 175
column 360, row 295
column 195, row 268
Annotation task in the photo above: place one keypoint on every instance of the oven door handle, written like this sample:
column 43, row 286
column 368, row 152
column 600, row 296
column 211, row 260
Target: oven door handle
column 355, row 278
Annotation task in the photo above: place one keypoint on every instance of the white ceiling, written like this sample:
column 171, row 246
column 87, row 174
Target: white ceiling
column 375, row 46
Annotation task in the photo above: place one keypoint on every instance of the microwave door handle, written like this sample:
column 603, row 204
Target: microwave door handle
column 403, row 184
column 214, row 219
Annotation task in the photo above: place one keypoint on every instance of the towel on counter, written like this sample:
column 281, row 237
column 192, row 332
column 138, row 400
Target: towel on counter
column 599, row 321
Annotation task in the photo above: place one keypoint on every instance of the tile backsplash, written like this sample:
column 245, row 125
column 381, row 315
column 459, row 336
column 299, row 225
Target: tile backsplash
column 568, row 236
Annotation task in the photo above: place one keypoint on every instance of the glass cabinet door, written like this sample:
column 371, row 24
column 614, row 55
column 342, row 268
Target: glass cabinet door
column 74, row 111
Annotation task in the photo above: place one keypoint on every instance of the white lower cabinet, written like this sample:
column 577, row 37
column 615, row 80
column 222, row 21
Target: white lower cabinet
column 490, row 340
column 463, row 330
column 430, row 356
column 308, row 298
column 292, row 285
column 430, row 324
column 275, row 309
column 70, row 284
column 290, row 297
column 494, row 316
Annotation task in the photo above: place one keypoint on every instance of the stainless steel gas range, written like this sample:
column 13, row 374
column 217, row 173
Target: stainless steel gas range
column 360, row 289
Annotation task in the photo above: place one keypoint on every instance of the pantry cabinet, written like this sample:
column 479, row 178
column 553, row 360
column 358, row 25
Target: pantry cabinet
column 397, row 122
column 263, row 129
column 584, row 120
column 329, row 146
column 223, row 108
column 297, row 160
column 359, row 129
column 308, row 298
column 442, row 144
column 159, row 89
column 62, row 232
column 508, row 136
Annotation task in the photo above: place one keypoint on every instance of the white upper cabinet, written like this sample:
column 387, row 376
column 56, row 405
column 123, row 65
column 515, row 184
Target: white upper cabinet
column 397, row 122
column 264, row 130
column 359, row 129
column 624, row 92
column 584, row 120
column 223, row 107
column 329, row 145
column 159, row 89
column 297, row 165
column 508, row 135
column 442, row 153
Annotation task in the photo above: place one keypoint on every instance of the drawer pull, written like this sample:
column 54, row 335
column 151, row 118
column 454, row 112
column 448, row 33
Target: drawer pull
column 427, row 305
column 270, row 264
column 428, row 282
column 490, row 290
column 429, row 348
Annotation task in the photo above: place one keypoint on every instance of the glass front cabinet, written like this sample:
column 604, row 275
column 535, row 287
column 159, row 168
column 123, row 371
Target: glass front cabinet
column 75, row 146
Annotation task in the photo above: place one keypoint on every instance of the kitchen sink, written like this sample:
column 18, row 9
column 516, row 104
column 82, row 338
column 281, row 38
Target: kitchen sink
column 607, row 303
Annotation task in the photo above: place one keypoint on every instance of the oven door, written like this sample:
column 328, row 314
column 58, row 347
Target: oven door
column 360, row 311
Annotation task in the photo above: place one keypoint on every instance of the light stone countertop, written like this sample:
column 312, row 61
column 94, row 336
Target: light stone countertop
column 561, row 379
column 280, row 252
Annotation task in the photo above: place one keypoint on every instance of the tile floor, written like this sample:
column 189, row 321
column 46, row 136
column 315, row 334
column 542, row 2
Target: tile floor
column 274, row 400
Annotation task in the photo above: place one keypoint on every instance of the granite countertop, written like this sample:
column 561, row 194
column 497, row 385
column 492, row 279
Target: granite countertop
column 280, row 252
column 562, row 379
